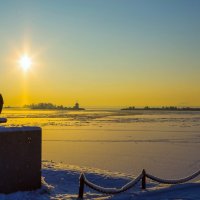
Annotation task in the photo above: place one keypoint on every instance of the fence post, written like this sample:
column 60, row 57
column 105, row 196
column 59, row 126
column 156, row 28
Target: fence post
column 81, row 186
column 143, row 179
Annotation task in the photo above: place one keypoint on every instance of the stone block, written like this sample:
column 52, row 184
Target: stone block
column 20, row 159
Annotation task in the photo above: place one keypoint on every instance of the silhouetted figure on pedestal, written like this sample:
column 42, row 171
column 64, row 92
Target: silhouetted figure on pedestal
column 1, row 103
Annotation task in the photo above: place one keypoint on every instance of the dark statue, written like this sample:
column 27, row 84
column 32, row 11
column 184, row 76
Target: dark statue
column 1, row 103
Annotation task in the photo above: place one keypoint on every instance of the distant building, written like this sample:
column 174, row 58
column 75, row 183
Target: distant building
column 76, row 106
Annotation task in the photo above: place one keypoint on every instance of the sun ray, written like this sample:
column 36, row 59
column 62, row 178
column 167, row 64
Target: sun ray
column 25, row 62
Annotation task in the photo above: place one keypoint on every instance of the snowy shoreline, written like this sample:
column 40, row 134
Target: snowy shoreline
column 61, row 181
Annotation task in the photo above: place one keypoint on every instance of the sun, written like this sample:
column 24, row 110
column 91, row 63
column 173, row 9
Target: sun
column 25, row 62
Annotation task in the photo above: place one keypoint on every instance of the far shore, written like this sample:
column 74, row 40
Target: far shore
column 107, row 108
column 170, row 108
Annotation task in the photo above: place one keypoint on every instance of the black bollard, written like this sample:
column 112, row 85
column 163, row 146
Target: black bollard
column 143, row 179
column 81, row 186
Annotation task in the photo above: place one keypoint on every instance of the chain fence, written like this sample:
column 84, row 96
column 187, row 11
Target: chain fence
column 142, row 176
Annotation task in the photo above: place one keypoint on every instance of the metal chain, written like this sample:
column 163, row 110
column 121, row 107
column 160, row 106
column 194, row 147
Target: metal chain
column 112, row 190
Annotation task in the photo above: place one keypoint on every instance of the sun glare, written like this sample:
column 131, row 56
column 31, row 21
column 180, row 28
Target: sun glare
column 25, row 62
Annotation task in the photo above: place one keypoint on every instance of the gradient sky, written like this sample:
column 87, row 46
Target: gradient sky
column 101, row 52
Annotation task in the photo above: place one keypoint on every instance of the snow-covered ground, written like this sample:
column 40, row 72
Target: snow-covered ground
column 61, row 182
column 166, row 144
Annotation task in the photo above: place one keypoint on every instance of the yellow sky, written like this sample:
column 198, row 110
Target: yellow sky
column 101, row 54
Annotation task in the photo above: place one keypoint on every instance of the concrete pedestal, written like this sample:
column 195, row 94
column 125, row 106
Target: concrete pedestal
column 20, row 159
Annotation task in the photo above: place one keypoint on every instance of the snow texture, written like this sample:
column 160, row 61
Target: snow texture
column 20, row 128
column 61, row 181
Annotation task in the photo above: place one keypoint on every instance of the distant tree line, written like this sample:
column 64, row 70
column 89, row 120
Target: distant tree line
column 173, row 108
column 50, row 106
